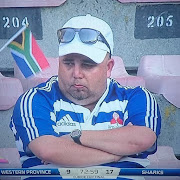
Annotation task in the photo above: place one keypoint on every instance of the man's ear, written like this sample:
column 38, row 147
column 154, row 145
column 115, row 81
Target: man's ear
column 110, row 65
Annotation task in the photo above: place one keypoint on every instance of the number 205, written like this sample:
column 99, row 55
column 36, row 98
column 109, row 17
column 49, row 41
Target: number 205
column 14, row 22
column 160, row 21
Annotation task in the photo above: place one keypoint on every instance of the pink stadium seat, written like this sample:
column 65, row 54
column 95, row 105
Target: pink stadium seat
column 39, row 78
column 146, row 1
column 164, row 158
column 162, row 75
column 9, row 158
column 30, row 3
column 10, row 90
column 11, row 155
column 120, row 74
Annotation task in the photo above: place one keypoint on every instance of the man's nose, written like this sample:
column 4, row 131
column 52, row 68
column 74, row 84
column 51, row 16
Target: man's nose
column 77, row 72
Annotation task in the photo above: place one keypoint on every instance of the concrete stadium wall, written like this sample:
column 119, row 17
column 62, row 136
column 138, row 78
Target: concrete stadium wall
column 170, row 131
column 121, row 17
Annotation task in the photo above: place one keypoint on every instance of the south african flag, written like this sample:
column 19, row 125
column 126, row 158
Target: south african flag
column 27, row 54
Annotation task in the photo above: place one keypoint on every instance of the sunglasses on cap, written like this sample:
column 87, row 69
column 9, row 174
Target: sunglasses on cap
column 86, row 35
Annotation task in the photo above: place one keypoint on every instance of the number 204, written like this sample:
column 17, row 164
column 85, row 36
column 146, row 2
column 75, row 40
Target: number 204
column 160, row 21
column 14, row 22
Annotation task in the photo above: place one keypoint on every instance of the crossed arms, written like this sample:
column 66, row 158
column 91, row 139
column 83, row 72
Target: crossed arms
column 98, row 147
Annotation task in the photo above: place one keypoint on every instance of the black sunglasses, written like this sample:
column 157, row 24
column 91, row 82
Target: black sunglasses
column 86, row 35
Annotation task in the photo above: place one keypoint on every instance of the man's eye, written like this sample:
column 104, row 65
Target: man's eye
column 88, row 65
column 68, row 63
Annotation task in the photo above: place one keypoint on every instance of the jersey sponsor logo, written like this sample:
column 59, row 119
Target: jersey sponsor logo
column 116, row 121
column 65, row 124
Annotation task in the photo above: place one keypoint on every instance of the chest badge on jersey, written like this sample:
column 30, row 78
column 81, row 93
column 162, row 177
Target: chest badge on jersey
column 116, row 121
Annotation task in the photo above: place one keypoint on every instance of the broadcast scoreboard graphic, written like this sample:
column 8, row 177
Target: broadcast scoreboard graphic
column 88, row 173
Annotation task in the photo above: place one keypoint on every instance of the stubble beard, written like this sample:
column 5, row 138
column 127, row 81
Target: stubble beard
column 79, row 95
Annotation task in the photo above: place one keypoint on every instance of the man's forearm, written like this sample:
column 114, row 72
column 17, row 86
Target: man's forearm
column 123, row 141
column 66, row 153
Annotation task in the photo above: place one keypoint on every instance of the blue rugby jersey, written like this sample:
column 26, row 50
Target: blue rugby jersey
column 44, row 110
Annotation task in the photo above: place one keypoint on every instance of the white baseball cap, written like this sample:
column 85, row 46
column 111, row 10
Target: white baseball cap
column 96, row 51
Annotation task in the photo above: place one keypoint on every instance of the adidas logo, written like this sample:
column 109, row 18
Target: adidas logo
column 66, row 121
column 65, row 124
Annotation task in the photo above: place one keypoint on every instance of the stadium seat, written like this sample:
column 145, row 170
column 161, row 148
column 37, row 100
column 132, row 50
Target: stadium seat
column 10, row 90
column 162, row 75
column 147, row 1
column 163, row 158
column 9, row 158
column 39, row 78
column 120, row 74
column 30, row 3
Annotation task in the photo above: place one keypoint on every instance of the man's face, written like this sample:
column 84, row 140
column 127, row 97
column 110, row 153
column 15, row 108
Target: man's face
column 81, row 80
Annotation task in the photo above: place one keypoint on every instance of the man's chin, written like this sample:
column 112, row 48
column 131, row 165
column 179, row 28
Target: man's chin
column 80, row 100
column 87, row 102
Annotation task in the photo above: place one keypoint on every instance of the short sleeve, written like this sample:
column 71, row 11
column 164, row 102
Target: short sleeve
column 143, row 110
column 31, row 117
